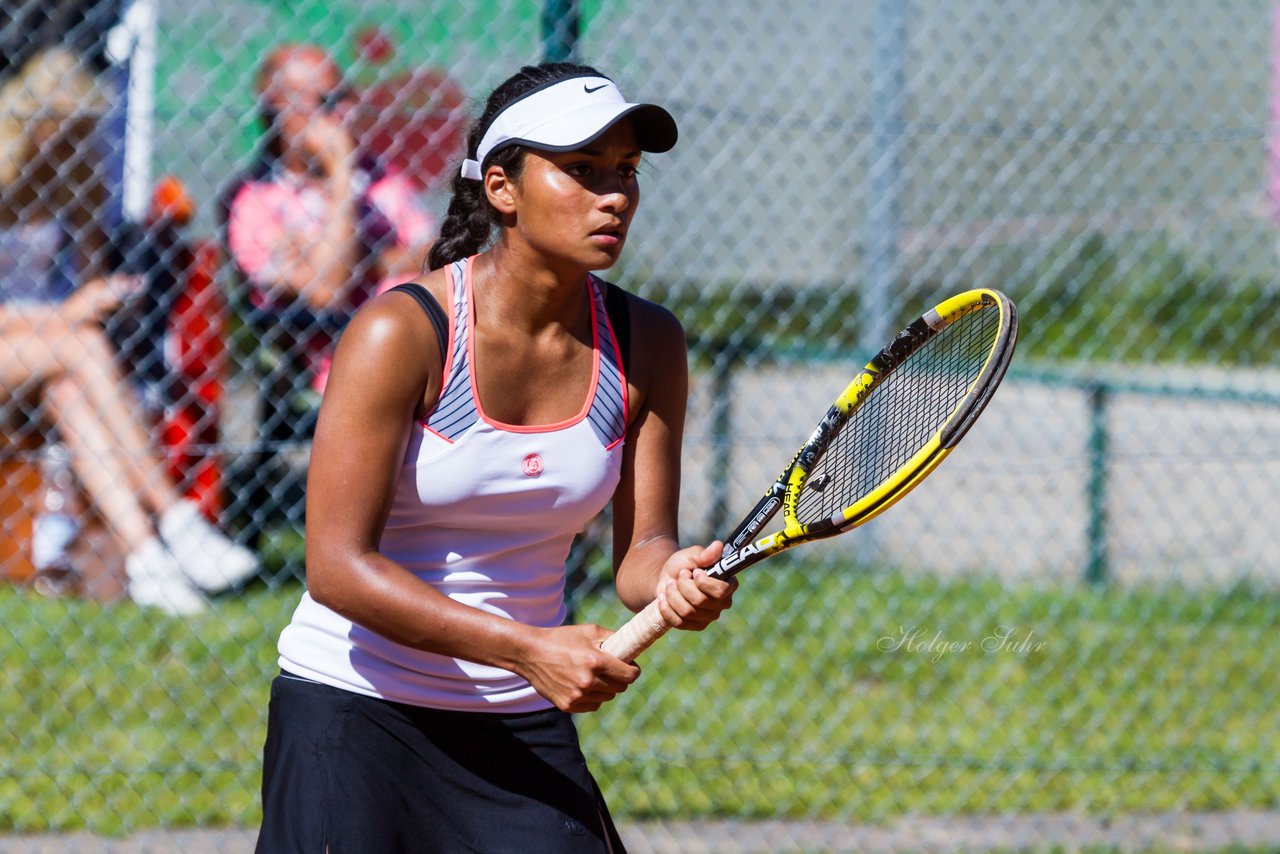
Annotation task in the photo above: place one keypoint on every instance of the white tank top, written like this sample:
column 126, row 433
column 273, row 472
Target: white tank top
column 486, row 513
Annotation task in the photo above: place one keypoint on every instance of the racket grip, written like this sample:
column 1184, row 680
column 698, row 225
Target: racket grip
column 638, row 634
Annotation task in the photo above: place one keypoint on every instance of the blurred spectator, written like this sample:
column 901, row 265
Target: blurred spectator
column 28, row 27
column 313, row 229
column 52, row 346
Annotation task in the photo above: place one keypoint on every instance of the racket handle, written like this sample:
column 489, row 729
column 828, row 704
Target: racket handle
column 638, row 634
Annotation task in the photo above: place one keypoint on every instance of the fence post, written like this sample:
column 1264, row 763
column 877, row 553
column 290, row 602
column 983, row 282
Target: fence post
column 884, row 170
column 560, row 30
column 1096, row 569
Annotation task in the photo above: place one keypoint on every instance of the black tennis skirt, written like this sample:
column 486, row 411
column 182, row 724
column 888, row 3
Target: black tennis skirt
column 346, row 773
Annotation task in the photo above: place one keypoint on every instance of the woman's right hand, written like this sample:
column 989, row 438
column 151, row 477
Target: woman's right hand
column 567, row 666
column 330, row 143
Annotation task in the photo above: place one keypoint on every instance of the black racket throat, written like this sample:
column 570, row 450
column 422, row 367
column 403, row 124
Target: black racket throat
column 755, row 521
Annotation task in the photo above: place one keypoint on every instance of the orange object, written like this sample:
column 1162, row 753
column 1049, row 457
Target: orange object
column 20, row 491
column 170, row 202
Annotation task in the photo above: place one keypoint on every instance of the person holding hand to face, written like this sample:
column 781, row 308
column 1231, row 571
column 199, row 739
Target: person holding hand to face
column 314, row 227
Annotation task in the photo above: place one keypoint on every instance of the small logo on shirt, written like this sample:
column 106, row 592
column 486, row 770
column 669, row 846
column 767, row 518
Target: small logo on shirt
column 532, row 465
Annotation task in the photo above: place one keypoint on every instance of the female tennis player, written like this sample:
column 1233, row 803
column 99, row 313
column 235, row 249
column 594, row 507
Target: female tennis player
column 474, row 422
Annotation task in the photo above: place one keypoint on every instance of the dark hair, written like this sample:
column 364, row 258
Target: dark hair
column 269, row 124
column 470, row 218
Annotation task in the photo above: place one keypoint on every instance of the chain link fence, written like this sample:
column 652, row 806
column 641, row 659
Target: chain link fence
column 1064, row 640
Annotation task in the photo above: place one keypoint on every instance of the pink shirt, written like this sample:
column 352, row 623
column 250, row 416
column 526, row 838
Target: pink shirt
column 268, row 217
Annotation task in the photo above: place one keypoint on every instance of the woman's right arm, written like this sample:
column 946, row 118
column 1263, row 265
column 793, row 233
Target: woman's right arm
column 385, row 367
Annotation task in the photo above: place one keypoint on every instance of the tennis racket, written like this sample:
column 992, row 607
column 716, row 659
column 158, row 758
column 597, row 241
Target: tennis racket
column 891, row 427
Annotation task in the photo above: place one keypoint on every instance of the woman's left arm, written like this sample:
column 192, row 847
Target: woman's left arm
column 648, row 560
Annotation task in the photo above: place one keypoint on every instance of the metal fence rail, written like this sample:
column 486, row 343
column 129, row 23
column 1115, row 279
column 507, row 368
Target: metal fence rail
column 1063, row 638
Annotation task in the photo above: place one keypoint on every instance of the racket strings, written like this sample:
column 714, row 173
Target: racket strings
column 900, row 415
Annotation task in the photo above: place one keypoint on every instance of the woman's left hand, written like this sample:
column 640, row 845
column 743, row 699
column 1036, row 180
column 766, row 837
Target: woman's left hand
column 688, row 598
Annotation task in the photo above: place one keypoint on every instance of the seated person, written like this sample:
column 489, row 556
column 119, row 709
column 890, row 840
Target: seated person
column 52, row 344
column 313, row 227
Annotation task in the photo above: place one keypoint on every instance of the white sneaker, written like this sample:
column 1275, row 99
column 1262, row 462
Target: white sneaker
column 210, row 560
column 156, row 580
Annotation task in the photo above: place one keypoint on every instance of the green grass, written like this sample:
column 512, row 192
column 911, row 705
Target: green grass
column 118, row 720
column 1137, row 701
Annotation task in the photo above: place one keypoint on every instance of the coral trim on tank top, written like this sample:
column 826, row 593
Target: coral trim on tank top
column 475, row 387
column 457, row 408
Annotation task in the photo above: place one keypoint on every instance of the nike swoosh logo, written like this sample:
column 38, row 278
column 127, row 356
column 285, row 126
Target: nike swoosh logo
column 589, row 90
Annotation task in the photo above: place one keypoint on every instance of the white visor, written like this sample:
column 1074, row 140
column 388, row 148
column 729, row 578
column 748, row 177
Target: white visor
column 568, row 114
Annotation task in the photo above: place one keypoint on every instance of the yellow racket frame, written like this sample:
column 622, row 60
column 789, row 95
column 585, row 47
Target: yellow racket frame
column 742, row 550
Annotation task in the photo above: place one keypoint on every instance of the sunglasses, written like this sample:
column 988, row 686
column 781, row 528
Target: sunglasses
column 330, row 100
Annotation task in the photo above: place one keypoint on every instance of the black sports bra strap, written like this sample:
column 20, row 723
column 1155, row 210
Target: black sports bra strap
column 618, row 308
column 435, row 313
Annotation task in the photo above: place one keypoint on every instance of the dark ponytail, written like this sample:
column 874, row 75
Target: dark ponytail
column 470, row 219
column 466, row 225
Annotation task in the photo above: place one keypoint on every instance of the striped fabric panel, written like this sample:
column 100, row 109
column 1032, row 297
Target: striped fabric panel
column 608, row 413
column 456, row 411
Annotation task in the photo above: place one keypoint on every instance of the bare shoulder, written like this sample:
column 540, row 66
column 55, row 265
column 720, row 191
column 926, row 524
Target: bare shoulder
column 390, row 350
column 659, row 354
column 437, row 283
column 651, row 318
column 396, row 318
column 656, row 333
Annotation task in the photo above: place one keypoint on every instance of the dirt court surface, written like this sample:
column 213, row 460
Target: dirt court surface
column 1173, row 832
